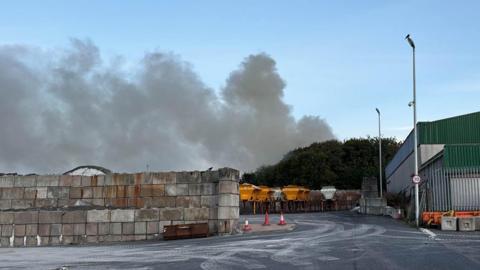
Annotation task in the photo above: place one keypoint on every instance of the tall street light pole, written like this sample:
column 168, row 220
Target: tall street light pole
column 414, row 104
column 380, row 154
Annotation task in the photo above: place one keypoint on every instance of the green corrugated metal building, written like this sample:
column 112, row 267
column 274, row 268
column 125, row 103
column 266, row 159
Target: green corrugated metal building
column 463, row 129
column 449, row 161
column 461, row 155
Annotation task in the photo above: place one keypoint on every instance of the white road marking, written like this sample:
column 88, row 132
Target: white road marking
column 430, row 234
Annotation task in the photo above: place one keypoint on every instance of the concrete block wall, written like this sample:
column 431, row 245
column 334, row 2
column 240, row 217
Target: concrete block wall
column 228, row 201
column 370, row 187
column 61, row 209
column 373, row 206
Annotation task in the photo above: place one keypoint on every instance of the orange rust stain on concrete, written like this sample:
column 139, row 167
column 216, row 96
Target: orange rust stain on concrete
column 94, row 180
column 137, row 191
column 130, row 190
column 146, row 191
column 120, row 202
column 158, row 190
column 121, row 191
column 133, row 191
column 136, row 202
column 138, row 178
column 116, row 178
column 110, row 192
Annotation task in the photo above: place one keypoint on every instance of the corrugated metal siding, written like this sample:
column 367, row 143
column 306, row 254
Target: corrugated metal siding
column 465, row 193
column 401, row 179
column 405, row 150
column 451, row 188
column 438, row 190
column 463, row 129
column 456, row 156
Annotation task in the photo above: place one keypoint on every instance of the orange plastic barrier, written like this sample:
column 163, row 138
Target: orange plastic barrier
column 432, row 218
column 435, row 218
column 467, row 213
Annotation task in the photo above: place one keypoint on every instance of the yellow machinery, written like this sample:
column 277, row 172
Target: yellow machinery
column 248, row 192
column 265, row 194
column 296, row 196
column 264, row 197
column 296, row 193
column 304, row 194
column 291, row 192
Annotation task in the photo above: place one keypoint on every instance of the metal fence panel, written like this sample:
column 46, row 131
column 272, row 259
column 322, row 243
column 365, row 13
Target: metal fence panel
column 465, row 191
column 451, row 188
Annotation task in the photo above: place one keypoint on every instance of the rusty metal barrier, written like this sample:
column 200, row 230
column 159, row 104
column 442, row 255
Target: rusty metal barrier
column 184, row 231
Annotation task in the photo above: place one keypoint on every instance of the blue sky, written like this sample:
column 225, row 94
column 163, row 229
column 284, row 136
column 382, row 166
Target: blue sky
column 340, row 59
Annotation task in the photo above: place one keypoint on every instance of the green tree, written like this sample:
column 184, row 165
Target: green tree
column 342, row 164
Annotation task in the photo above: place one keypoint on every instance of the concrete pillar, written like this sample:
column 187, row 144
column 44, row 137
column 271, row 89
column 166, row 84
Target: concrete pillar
column 228, row 200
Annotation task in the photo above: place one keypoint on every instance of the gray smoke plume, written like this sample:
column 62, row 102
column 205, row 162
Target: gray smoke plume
column 61, row 109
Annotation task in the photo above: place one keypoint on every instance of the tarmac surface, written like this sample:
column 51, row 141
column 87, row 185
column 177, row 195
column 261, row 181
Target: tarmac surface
column 333, row 240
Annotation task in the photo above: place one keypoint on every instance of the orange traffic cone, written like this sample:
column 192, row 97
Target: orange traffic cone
column 247, row 226
column 267, row 220
column 282, row 220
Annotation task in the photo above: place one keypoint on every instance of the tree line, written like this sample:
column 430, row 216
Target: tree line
column 335, row 163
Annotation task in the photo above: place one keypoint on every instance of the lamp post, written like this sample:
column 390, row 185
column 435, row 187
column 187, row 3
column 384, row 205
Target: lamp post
column 380, row 154
column 414, row 104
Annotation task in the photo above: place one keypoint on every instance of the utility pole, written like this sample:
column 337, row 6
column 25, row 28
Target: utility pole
column 380, row 154
column 414, row 104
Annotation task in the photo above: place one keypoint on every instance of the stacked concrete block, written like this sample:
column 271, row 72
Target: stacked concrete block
column 171, row 214
column 6, row 228
column 22, row 192
column 98, row 216
column 47, row 180
column 370, row 187
column 469, row 223
column 30, row 228
column 111, row 191
column 163, row 178
column 5, row 204
column 196, row 214
column 373, row 206
column 121, row 215
column 161, row 202
column 103, row 228
column 228, row 193
column 7, row 181
column 449, row 223
column 25, row 181
column 22, row 204
column 60, row 210
column 187, row 201
column 188, row 177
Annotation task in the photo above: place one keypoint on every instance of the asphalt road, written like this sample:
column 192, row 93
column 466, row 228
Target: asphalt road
column 340, row 240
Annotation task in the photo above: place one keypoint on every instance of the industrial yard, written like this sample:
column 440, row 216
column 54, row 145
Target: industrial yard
column 239, row 135
column 334, row 240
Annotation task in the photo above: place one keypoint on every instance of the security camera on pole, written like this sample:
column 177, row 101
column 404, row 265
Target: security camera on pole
column 415, row 179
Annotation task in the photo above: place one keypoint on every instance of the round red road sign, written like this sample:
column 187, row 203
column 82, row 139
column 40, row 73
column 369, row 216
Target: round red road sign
column 416, row 179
